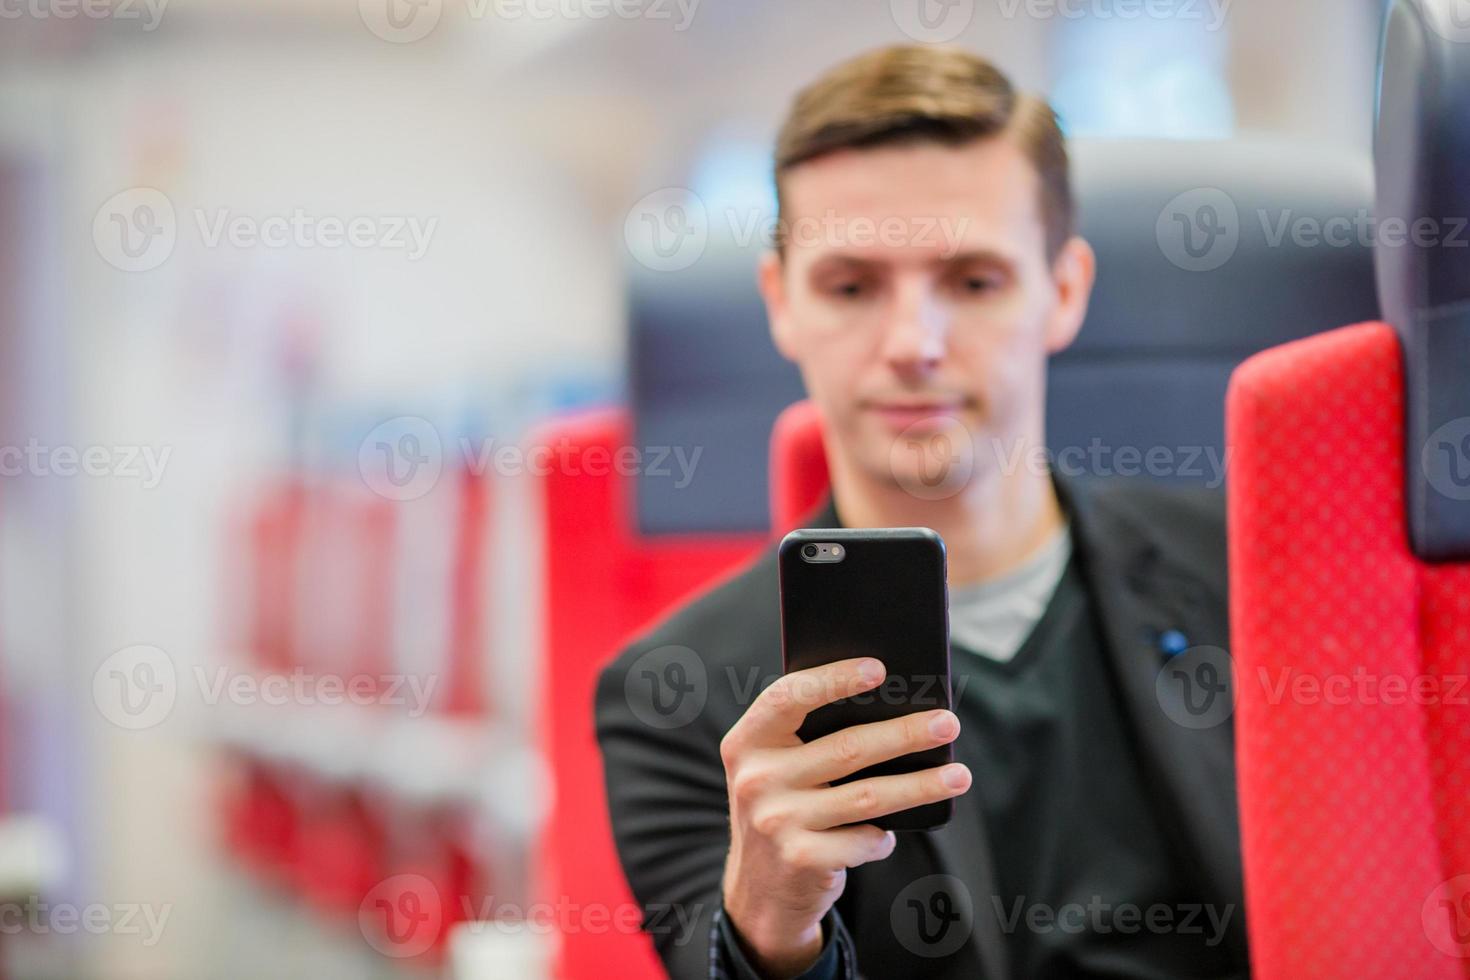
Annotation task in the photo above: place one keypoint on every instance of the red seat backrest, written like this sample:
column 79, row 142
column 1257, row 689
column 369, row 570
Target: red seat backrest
column 604, row 583
column 1354, row 789
column 799, row 477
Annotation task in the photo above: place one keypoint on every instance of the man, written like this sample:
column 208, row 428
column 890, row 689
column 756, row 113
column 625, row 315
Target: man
column 1092, row 835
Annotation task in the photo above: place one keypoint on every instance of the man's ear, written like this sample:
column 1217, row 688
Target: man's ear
column 772, row 285
column 1073, row 271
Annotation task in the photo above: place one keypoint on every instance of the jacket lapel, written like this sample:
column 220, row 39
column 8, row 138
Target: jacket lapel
column 1141, row 592
column 960, row 850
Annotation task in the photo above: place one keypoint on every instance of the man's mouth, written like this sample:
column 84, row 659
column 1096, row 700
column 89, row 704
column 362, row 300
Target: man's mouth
column 908, row 413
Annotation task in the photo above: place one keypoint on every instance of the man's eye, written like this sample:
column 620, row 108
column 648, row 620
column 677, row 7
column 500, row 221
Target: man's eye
column 848, row 290
column 975, row 285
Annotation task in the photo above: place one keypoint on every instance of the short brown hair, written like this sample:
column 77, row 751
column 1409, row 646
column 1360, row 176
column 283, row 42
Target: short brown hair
column 915, row 93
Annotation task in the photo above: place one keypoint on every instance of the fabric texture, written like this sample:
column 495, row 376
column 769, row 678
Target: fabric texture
column 1354, row 790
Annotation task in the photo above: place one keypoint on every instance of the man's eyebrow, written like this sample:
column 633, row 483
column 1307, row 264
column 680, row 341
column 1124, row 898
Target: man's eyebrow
column 845, row 259
column 984, row 254
column 859, row 262
column 977, row 255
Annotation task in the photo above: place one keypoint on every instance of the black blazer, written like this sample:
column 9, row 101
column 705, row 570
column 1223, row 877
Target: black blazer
column 1153, row 559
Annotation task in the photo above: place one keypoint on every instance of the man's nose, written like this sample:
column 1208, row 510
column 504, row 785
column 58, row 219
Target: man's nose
column 917, row 336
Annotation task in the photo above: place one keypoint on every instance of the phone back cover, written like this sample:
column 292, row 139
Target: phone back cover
column 886, row 599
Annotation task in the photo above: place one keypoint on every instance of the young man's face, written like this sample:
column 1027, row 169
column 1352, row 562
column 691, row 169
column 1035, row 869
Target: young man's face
column 918, row 300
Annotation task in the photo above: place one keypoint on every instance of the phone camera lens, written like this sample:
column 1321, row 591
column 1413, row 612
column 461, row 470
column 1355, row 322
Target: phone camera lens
column 810, row 551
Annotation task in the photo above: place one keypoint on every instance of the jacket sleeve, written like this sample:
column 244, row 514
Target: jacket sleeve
column 670, row 817
column 836, row 961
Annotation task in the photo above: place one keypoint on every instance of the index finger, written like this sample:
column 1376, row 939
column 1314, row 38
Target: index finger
column 779, row 710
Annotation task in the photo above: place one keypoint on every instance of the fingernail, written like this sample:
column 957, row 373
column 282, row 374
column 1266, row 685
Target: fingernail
column 942, row 725
column 890, row 839
column 955, row 776
column 871, row 671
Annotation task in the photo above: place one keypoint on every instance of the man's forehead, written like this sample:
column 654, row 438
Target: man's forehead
column 981, row 196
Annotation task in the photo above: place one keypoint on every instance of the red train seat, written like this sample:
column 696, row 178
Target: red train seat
column 1349, row 523
column 604, row 582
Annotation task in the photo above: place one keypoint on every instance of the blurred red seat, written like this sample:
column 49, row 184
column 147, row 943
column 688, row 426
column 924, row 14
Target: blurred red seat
column 799, row 477
column 604, row 582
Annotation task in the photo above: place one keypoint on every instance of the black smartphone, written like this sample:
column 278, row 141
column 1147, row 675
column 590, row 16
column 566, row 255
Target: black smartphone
column 872, row 592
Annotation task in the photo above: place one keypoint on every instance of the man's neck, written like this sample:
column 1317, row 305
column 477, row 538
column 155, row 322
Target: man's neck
column 989, row 528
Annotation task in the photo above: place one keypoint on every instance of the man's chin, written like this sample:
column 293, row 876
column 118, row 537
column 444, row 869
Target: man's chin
column 932, row 461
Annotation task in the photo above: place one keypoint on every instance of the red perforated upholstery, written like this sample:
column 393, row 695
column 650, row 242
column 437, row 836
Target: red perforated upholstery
column 604, row 582
column 1354, row 795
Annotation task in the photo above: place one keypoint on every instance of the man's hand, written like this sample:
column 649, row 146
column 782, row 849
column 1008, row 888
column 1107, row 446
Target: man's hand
column 789, row 846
